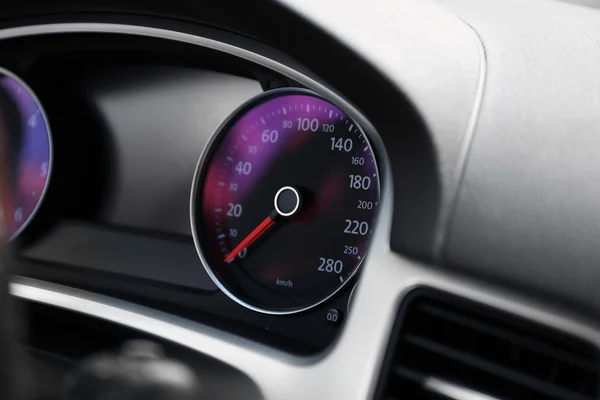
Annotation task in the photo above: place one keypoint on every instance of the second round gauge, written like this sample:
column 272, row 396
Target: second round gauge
column 284, row 200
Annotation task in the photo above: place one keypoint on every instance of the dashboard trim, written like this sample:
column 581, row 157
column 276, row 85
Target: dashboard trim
column 386, row 279
column 447, row 212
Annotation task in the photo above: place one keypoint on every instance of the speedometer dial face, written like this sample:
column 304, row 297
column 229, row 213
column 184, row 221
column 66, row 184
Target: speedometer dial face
column 26, row 148
column 284, row 200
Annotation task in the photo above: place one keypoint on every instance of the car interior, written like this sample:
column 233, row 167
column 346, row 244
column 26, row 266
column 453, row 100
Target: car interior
column 340, row 199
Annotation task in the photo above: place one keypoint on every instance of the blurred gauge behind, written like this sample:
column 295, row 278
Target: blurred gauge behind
column 25, row 154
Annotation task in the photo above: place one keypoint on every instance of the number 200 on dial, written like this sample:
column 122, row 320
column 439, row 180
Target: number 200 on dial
column 284, row 200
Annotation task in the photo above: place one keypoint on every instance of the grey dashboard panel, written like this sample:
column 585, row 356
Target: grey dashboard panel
column 81, row 245
column 528, row 213
column 158, row 120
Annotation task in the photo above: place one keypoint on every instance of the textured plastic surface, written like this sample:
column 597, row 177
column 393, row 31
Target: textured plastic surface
column 528, row 213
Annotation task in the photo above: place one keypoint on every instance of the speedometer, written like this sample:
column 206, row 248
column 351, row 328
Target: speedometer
column 283, row 201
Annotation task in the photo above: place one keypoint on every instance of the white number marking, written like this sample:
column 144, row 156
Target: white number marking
column 354, row 227
column 352, row 250
column 358, row 161
column 44, row 171
column 305, row 124
column 269, row 136
column 328, row 127
column 365, row 205
column 360, row 182
column 243, row 168
column 340, row 144
column 18, row 214
column 330, row 265
column 235, row 210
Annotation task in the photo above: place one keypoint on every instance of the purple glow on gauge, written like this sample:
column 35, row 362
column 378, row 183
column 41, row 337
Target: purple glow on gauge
column 269, row 116
column 25, row 132
column 288, row 138
column 249, row 129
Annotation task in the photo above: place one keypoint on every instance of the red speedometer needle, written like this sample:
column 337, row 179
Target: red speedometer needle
column 287, row 203
column 251, row 238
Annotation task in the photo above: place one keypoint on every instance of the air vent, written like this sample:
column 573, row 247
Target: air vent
column 447, row 348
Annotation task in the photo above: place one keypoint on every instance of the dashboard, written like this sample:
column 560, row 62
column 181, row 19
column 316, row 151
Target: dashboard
column 174, row 224
column 273, row 196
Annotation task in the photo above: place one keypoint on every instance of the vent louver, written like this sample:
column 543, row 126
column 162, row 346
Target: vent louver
column 447, row 348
